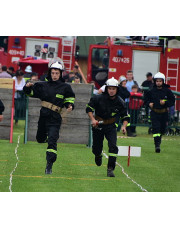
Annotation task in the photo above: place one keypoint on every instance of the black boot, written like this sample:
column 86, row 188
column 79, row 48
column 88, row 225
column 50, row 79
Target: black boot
column 98, row 160
column 157, row 148
column 48, row 169
column 157, row 142
column 51, row 158
column 129, row 133
column 110, row 172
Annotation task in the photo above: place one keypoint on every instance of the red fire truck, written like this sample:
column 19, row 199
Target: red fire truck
column 115, row 58
column 37, row 51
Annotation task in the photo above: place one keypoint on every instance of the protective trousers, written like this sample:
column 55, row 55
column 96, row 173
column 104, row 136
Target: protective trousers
column 159, row 124
column 48, row 131
column 110, row 133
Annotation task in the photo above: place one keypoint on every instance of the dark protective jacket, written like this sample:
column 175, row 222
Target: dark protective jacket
column 155, row 95
column 123, row 92
column 107, row 108
column 55, row 92
column 1, row 107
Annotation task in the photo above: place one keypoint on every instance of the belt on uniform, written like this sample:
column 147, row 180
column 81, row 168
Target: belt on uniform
column 160, row 110
column 105, row 121
column 51, row 106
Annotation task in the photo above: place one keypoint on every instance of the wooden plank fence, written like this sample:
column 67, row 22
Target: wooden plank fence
column 6, row 96
column 75, row 126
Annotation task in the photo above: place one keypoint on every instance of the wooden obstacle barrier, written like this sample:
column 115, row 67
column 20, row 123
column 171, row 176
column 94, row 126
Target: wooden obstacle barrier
column 75, row 126
column 7, row 90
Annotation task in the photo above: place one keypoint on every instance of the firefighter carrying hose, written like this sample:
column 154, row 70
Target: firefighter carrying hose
column 54, row 94
column 106, row 106
column 159, row 98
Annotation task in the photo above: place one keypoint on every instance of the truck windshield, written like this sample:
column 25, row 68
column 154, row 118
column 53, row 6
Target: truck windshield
column 100, row 63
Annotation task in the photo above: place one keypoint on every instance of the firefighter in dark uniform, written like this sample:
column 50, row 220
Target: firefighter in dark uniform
column 54, row 94
column 1, row 110
column 159, row 98
column 106, row 106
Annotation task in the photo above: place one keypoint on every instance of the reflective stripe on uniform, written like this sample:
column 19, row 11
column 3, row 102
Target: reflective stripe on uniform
column 113, row 114
column 90, row 107
column 52, row 150
column 116, row 125
column 155, row 135
column 70, row 100
column 59, row 96
column 128, row 124
column 125, row 116
column 113, row 155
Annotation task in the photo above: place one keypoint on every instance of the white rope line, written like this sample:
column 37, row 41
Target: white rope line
column 143, row 189
column 11, row 174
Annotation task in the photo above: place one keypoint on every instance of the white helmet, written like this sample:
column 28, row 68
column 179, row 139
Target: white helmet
column 112, row 82
column 28, row 69
column 56, row 60
column 159, row 76
column 57, row 65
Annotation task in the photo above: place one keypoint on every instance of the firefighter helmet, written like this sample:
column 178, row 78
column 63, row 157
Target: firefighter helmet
column 159, row 76
column 57, row 65
column 28, row 69
column 112, row 82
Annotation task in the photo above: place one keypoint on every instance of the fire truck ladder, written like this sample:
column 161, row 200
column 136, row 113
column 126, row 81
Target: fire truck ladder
column 67, row 56
column 176, row 68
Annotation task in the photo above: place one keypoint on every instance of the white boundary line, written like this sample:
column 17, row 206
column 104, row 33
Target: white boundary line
column 11, row 174
column 143, row 189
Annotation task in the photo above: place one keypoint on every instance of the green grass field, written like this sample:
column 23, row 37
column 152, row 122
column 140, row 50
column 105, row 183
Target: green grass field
column 75, row 170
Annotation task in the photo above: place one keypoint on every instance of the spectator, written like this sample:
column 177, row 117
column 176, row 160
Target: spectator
column 71, row 77
column 123, row 92
column 4, row 73
column 148, row 83
column 10, row 70
column 135, row 103
column 44, row 76
column 76, row 72
column 1, row 110
column 130, row 80
column 19, row 84
column 28, row 71
column 76, row 80
column 34, row 76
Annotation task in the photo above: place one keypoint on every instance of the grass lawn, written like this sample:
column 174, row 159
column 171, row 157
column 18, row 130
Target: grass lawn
column 75, row 170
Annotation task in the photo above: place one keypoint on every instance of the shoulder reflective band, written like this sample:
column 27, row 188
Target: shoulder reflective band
column 155, row 135
column 90, row 107
column 70, row 100
column 125, row 116
column 51, row 150
column 59, row 96
column 165, row 100
column 112, row 154
column 128, row 124
column 113, row 114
